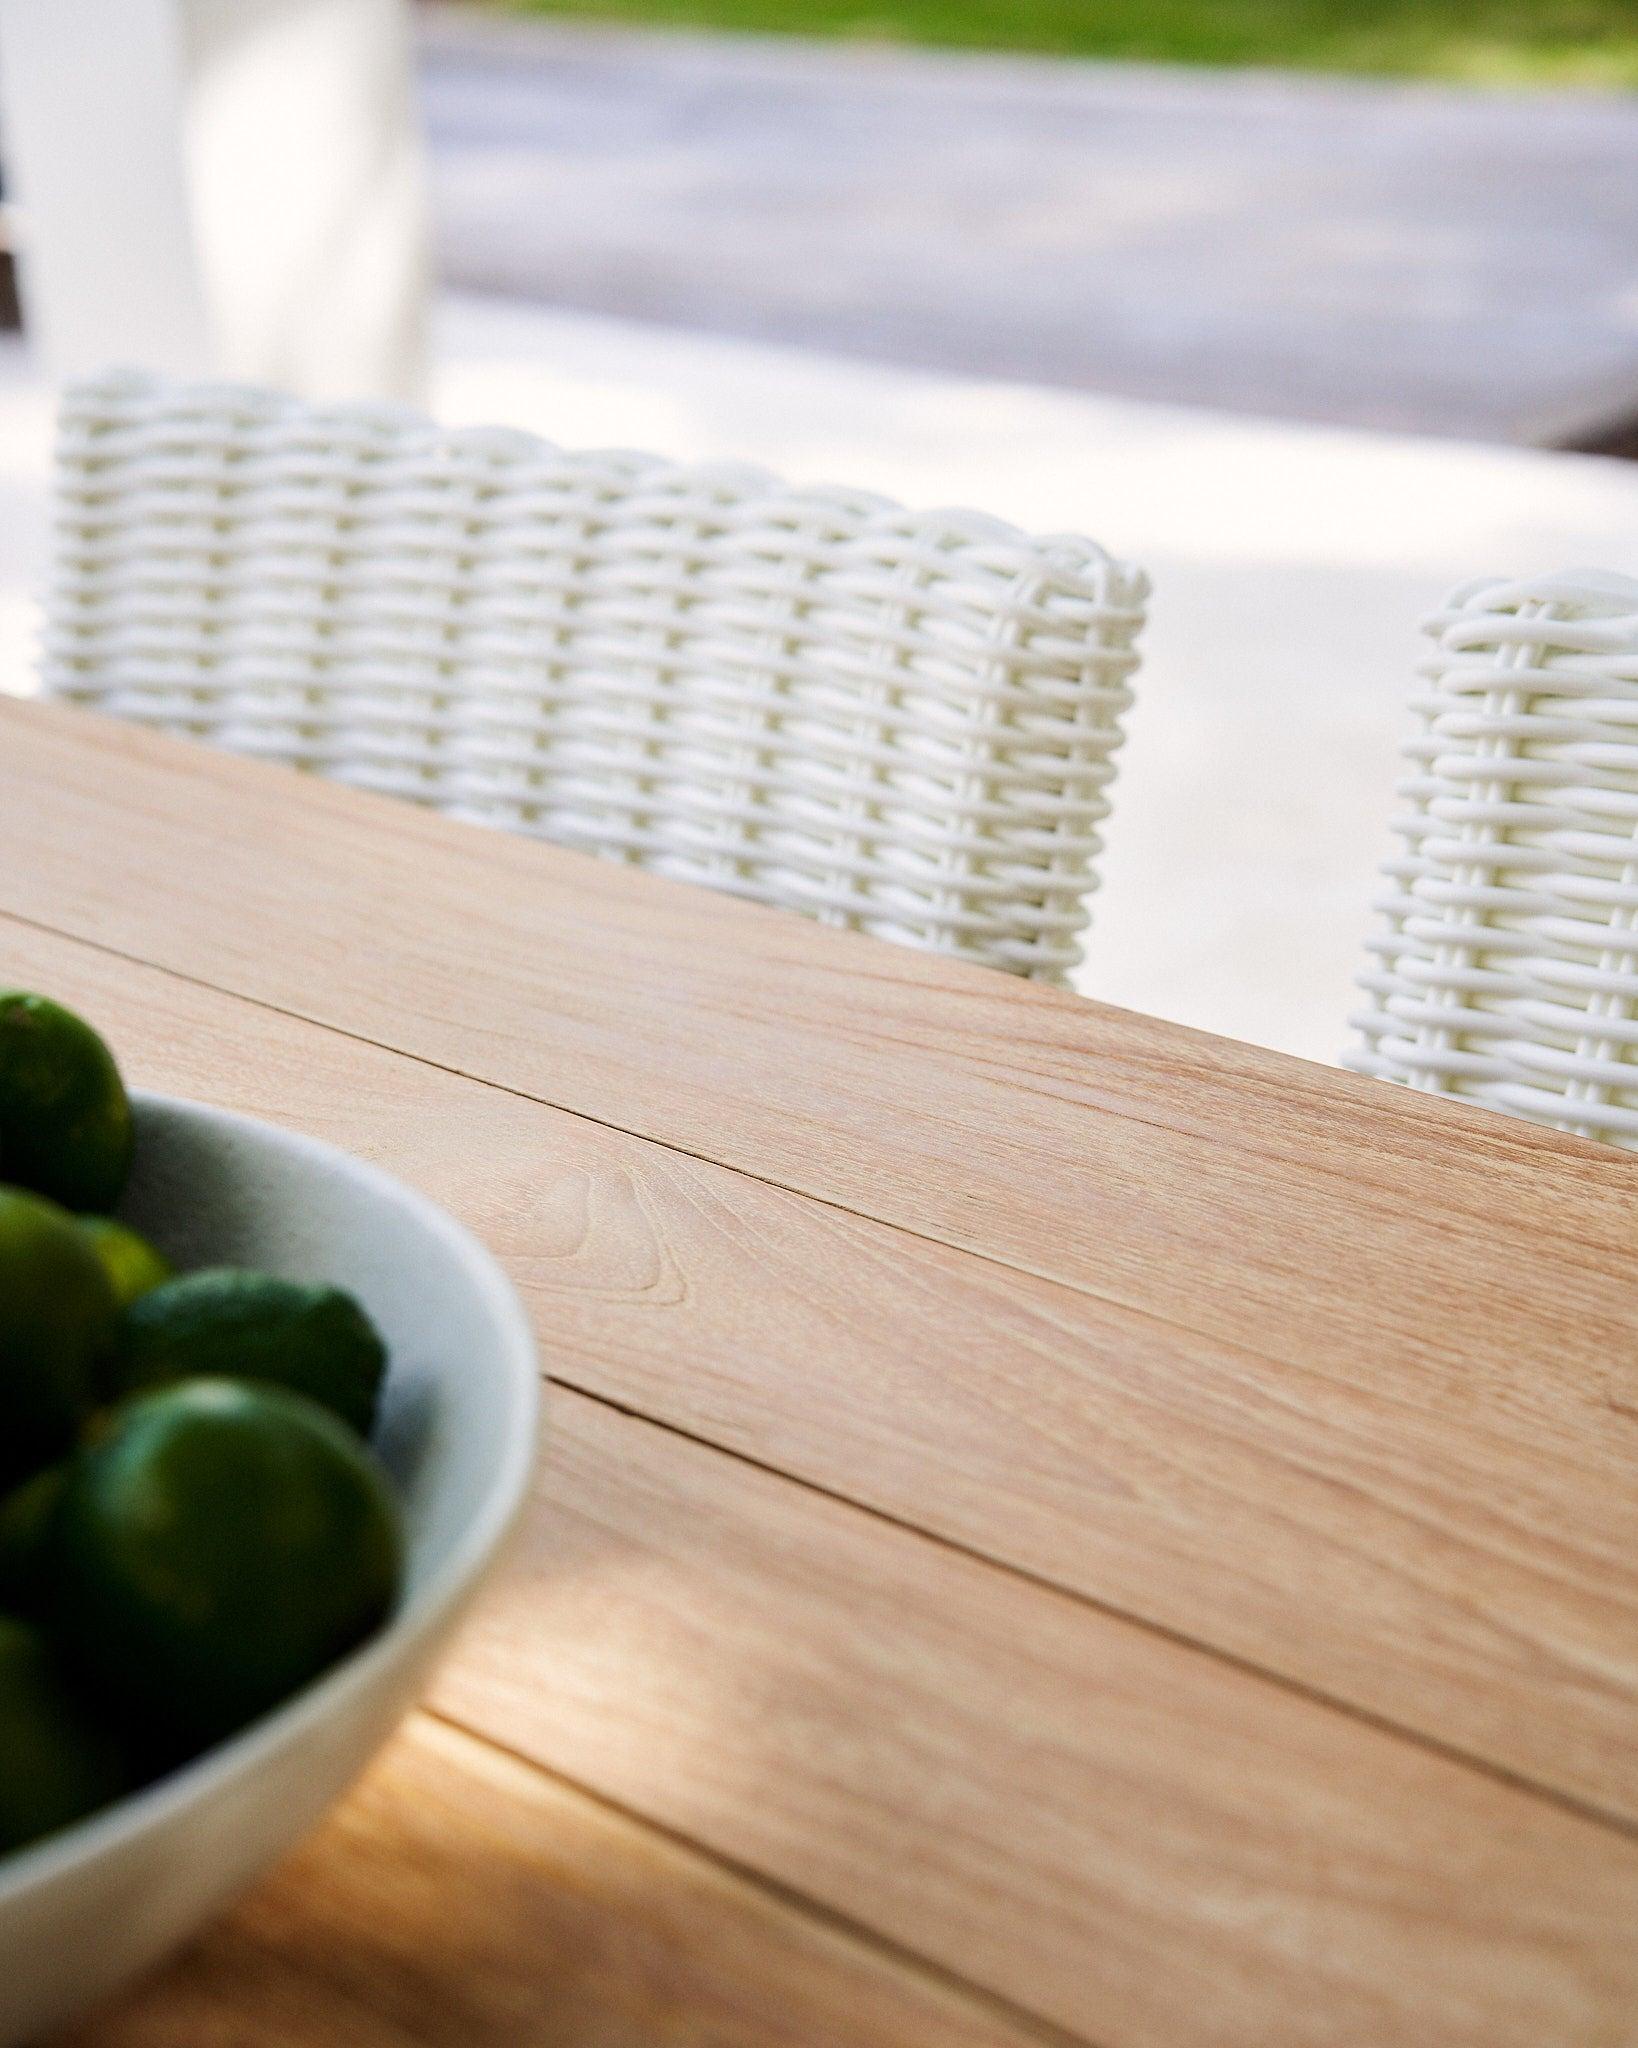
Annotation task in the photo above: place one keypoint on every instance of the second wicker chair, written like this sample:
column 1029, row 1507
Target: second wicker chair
column 1507, row 967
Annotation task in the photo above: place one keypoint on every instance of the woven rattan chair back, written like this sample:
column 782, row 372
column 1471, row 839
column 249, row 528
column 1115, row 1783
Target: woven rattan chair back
column 896, row 722
column 1507, row 966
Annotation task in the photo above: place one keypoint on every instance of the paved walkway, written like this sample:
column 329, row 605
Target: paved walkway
column 1325, row 250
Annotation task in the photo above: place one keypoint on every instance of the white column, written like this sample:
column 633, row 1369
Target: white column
column 230, row 187
column 92, row 132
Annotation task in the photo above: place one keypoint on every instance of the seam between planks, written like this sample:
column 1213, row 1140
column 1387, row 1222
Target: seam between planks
column 858, row 1932
column 1610, row 1819
column 916, row 1233
column 54, row 726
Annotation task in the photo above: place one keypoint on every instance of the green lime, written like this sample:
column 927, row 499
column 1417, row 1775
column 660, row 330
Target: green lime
column 56, row 1764
column 227, row 1324
column 57, row 1322
column 27, row 1518
column 65, row 1119
column 133, row 1265
column 219, row 1547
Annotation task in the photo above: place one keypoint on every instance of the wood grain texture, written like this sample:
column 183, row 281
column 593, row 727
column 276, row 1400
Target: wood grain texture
column 1413, row 1545
column 1313, row 1217
column 462, row 1898
column 1130, row 1839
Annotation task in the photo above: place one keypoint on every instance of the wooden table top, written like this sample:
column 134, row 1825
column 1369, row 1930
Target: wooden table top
column 1054, row 1528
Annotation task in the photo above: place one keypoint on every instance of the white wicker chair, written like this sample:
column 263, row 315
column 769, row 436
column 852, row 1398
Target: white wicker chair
column 1507, row 971
column 901, row 723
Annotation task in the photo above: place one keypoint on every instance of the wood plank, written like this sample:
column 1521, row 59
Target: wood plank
column 461, row 1899
column 1430, row 1559
column 1314, row 1217
column 1122, row 1835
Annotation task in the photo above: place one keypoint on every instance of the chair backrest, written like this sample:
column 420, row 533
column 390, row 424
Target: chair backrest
column 902, row 723
column 1507, row 967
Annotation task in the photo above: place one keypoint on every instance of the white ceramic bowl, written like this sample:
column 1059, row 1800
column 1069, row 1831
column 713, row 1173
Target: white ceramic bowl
column 87, row 1908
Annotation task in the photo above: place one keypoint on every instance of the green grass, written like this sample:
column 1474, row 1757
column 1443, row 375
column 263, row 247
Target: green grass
column 1490, row 42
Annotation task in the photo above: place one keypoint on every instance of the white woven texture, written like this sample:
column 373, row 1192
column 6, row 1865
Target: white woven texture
column 897, row 722
column 1507, row 970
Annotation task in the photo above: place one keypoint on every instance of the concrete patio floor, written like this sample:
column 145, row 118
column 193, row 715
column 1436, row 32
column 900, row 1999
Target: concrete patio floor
column 1381, row 255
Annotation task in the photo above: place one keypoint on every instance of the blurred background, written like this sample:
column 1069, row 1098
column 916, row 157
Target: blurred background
column 1314, row 307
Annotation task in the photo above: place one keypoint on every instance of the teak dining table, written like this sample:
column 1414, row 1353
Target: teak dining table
column 1051, row 1527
